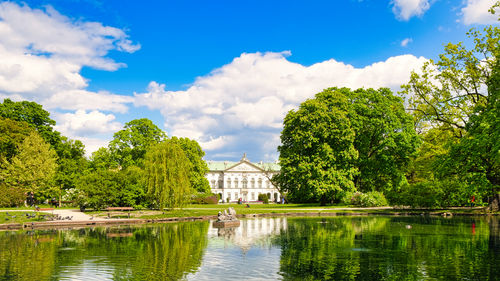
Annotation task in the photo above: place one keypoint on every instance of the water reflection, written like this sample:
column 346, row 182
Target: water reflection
column 377, row 248
column 164, row 252
column 250, row 232
column 337, row 248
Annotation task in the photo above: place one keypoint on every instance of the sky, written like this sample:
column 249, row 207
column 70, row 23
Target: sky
column 224, row 72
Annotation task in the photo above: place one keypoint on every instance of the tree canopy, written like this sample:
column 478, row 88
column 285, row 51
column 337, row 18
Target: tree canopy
column 167, row 174
column 129, row 145
column 344, row 140
column 455, row 101
column 198, row 167
column 317, row 153
column 33, row 168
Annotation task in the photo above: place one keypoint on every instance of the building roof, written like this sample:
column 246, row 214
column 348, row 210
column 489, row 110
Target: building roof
column 219, row 166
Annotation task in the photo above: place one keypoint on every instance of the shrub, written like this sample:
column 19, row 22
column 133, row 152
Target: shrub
column 11, row 196
column 369, row 199
column 263, row 197
column 205, row 198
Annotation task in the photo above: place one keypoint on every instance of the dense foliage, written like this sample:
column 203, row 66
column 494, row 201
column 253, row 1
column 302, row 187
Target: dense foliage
column 167, row 175
column 317, row 153
column 344, row 140
column 455, row 105
column 129, row 145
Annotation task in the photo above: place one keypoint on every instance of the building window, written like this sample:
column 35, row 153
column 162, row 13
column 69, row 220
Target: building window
column 213, row 184
column 236, row 196
column 221, row 183
column 260, row 183
column 245, row 183
column 236, row 183
column 252, row 182
column 253, row 196
column 268, row 184
column 228, row 183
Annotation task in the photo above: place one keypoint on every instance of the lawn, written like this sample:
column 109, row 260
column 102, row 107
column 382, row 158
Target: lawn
column 20, row 217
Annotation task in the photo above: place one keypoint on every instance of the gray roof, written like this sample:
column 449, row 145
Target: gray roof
column 219, row 166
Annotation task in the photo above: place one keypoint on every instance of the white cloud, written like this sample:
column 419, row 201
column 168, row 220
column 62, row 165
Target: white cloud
column 406, row 41
column 41, row 56
column 476, row 12
column 246, row 100
column 81, row 123
column 405, row 9
column 85, row 100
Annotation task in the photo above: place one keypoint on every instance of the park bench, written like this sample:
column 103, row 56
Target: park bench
column 38, row 210
column 119, row 211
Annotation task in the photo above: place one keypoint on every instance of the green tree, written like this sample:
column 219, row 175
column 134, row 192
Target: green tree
column 36, row 117
column 12, row 133
column 129, row 145
column 345, row 140
column 317, row 153
column 385, row 139
column 459, row 94
column 105, row 188
column 71, row 161
column 33, row 168
column 167, row 174
column 199, row 167
column 102, row 159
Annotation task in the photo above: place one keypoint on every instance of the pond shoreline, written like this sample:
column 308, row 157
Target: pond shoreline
column 108, row 222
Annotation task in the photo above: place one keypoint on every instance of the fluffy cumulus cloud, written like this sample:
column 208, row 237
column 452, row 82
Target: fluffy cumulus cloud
column 41, row 55
column 476, row 12
column 86, row 123
column 242, row 104
column 405, row 9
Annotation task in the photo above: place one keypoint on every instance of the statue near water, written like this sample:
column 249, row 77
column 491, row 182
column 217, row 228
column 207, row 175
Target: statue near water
column 226, row 219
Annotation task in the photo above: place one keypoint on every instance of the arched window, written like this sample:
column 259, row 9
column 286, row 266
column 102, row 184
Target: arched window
column 245, row 182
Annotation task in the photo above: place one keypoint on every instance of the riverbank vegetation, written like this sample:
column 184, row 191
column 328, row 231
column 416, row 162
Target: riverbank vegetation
column 435, row 144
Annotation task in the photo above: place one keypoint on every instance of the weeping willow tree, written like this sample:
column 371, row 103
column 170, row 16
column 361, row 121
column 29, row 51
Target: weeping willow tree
column 167, row 175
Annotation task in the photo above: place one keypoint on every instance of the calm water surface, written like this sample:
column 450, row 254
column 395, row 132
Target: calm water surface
column 338, row 248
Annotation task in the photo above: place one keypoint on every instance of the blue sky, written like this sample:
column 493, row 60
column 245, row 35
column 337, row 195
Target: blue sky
column 222, row 72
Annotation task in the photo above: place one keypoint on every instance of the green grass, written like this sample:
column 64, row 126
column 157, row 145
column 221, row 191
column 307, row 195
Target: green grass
column 18, row 217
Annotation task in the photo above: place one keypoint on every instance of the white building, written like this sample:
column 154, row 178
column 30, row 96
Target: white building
column 245, row 180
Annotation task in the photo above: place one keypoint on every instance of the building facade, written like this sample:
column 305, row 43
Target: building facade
column 242, row 180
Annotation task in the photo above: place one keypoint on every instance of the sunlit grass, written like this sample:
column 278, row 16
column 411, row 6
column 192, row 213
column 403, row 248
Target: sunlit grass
column 19, row 217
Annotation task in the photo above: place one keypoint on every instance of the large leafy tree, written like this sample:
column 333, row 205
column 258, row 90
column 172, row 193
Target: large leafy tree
column 317, row 153
column 71, row 161
column 12, row 133
column 198, row 167
column 385, row 138
column 167, row 174
column 33, row 168
column 129, row 145
column 345, row 140
column 35, row 116
column 459, row 95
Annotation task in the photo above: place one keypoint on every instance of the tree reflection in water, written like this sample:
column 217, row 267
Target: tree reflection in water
column 335, row 248
column 382, row 248
column 163, row 252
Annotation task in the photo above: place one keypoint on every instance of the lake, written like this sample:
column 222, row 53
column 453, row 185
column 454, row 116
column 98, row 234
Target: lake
column 332, row 248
